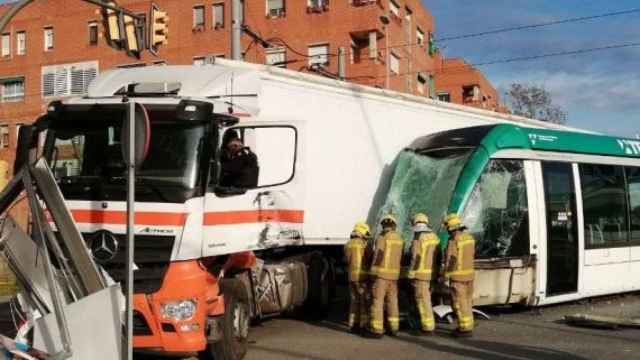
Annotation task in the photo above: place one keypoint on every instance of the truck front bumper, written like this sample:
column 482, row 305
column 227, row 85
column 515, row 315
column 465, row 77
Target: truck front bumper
column 155, row 331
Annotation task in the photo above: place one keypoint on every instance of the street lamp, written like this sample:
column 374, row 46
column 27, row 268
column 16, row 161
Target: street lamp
column 385, row 21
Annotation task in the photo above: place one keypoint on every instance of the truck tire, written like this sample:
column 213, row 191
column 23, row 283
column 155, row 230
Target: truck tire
column 235, row 323
column 321, row 288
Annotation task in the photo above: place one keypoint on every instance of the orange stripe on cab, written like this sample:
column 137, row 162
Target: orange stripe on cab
column 120, row 217
column 253, row 216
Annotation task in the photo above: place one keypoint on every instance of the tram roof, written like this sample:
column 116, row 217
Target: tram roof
column 508, row 136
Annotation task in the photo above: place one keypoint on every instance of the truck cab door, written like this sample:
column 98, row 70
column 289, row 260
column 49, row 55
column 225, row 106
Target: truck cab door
column 268, row 213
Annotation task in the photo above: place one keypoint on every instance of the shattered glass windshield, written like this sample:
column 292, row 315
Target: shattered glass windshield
column 497, row 211
column 423, row 183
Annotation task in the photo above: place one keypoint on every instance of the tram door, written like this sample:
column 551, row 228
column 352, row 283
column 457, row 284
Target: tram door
column 562, row 228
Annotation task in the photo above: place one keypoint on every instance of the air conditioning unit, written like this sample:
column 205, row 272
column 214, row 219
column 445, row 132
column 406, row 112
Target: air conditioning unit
column 279, row 12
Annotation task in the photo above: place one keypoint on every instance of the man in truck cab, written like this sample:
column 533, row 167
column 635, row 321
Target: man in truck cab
column 386, row 271
column 459, row 268
column 239, row 164
column 356, row 253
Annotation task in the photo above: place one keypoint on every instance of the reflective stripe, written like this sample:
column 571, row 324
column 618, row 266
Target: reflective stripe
column 387, row 258
column 459, row 272
column 393, row 320
column 377, row 325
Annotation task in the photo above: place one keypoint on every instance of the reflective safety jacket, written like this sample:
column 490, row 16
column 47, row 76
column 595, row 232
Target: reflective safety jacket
column 356, row 254
column 459, row 257
column 423, row 252
column 387, row 256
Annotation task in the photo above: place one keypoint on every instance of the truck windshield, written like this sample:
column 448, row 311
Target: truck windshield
column 87, row 157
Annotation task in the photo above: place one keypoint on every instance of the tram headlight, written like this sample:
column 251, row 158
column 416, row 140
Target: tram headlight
column 179, row 310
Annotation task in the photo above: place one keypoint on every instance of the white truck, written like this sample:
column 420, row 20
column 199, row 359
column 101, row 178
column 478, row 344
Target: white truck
column 210, row 257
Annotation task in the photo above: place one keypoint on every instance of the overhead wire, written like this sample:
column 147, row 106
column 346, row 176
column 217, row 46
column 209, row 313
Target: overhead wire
column 538, row 25
column 521, row 58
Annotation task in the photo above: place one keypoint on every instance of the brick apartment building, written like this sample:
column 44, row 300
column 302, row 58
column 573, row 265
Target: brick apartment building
column 54, row 48
column 458, row 82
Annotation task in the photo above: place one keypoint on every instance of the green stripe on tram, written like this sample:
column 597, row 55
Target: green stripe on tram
column 506, row 136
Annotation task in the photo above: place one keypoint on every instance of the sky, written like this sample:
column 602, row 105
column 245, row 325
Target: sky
column 599, row 90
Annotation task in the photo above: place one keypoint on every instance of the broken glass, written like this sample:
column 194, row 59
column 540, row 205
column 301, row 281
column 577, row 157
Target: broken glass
column 423, row 183
column 497, row 211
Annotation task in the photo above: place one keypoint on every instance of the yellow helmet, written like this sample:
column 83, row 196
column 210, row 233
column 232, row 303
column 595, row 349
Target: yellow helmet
column 361, row 228
column 452, row 222
column 389, row 218
column 420, row 218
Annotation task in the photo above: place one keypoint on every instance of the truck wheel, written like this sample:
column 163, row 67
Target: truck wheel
column 235, row 322
column 321, row 284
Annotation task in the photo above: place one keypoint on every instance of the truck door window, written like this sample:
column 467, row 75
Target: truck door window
column 254, row 157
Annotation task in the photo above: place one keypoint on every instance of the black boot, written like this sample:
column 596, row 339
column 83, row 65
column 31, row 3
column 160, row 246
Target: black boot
column 462, row 334
column 371, row 335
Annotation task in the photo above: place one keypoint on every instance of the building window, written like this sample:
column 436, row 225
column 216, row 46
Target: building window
column 18, row 126
column 275, row 8
column 317, row 4
column 394, row 8
column 419, row 36
column 6, row 45
column 394, row 63
column 132, row 65
column 198, row 60
column 446, row 97
column 276, row 57
column 198, row 17
column 12, row 89
column 4, row 136
column 218, row 16
column 318, row 54
column 48, row 39
column 470, row 93
column 422, row 81
column 68, row 79
column 21, row 43
column 93, row 33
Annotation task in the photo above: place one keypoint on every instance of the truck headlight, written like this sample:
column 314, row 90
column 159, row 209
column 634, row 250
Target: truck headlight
column 178, row 310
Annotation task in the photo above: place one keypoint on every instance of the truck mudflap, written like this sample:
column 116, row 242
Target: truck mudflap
column 505, row 281
column 156, row 329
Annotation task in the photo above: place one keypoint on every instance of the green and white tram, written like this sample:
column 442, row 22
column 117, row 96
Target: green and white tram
column 555, row 214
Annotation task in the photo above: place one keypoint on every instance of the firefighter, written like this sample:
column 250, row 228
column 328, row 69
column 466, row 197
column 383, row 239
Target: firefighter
column 459, row 270
column 423, row 252
column 356, row 254
column 385, row 270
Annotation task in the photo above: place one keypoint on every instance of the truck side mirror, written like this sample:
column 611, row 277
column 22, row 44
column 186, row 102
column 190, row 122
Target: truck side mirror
column 142, row 135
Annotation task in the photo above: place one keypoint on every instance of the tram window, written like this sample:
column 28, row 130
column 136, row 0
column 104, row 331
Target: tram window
column 604, row 203
column 633, row 182
column 497, row 211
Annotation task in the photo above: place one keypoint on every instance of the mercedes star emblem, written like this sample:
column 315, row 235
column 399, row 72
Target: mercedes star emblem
column 104, row 245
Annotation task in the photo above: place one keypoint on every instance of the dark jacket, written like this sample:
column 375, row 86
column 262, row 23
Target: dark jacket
column 240, row 170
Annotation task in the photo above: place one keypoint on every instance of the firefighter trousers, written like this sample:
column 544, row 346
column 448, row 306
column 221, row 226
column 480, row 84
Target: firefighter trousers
column 384, row 292
column 462, row 303
column 423, row 303
column 358, row 306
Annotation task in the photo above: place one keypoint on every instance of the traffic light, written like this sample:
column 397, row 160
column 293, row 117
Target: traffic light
column 112, row 23
column 131, row 34
column 158, row 28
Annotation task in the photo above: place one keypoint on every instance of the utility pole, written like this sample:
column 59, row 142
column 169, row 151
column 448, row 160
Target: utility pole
column 385, row 22
column 236, row 29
